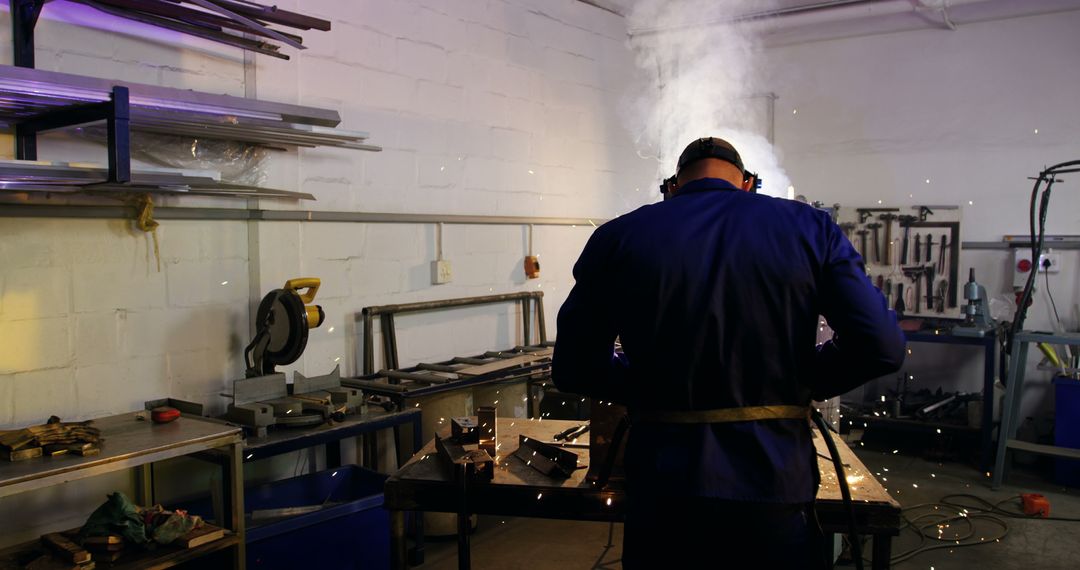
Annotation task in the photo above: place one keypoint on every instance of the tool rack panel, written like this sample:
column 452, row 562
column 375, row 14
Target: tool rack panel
column 912, row 255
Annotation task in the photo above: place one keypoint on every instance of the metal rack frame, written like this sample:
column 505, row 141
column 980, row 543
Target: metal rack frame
column 1010, row 409
column 529, row 300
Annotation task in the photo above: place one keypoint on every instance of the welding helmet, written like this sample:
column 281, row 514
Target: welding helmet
column 710, row 147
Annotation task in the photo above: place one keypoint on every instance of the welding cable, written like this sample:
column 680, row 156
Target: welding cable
column 1048, row 175
column 986, row 507
column 966, row 513
column 845, row 492
column 935, row 521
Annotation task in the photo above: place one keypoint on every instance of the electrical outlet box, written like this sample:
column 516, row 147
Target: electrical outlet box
column 532, row 266
column 1049, row 262
column 440, row 272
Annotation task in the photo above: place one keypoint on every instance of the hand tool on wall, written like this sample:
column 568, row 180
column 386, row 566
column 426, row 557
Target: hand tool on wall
column 877, row 241
column 880, row 283
column 862, row 243
column 941, row 254
column 847, row 227
column 888, row 292
column 939, row 298
column 929, row 287
column 905, row 222
column 916, row 274
column 887, row 220
column 900, row 306
column 929, row 246
column 918, row 248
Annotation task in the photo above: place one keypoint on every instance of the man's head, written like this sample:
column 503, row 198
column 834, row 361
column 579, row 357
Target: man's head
column 712, row 158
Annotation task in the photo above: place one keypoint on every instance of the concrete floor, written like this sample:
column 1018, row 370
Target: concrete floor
column 508, row 543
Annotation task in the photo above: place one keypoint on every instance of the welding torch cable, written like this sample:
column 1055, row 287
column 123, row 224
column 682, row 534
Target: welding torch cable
column 955, row 541
column 845, row 492
column 986, row 507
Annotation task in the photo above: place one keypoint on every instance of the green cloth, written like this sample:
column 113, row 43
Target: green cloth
column 119, row 516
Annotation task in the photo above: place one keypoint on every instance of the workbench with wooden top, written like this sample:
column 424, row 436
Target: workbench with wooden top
column 424, row 484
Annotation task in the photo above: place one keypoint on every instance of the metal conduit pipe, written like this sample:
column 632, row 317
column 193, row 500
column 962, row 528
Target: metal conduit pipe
column 820, row 13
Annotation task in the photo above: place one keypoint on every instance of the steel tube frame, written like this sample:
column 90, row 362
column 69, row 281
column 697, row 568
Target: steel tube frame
column 386, row 315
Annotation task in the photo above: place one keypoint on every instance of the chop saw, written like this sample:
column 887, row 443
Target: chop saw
column 263, row 398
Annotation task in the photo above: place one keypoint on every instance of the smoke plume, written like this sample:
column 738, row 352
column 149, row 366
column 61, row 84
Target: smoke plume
column 703, row 80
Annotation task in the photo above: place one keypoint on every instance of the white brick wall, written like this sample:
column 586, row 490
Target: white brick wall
column 466, row 96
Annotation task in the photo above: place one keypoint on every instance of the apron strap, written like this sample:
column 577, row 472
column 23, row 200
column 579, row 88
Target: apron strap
column 723, row 415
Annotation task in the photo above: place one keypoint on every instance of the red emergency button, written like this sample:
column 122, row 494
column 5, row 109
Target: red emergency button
column 1023, row 266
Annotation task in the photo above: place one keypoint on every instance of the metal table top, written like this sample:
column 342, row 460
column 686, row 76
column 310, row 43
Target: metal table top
column 128, row 443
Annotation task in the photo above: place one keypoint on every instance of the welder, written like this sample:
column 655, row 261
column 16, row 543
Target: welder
column 715, row 294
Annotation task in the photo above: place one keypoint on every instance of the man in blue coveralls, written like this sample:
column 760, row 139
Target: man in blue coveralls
column 715, row 294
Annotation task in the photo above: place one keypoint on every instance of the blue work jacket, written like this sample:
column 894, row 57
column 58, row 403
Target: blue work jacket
column 715, row 295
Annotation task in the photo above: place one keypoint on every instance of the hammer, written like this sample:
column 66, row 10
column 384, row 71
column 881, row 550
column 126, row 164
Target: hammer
column 905, row 222
column 847, row 227
column 887, row 219
column 877, row 242
column 862, row 242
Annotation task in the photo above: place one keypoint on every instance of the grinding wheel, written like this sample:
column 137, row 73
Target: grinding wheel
column 282, row 321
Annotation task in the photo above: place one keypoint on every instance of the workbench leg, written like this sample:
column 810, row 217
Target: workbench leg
column 397, row 540
column 1009, row 411
column 235, row 469
column 333, row 454
column 987, row 431
column 882, row 552
column 144, row 484
column 463, row 554
column 416, row 555
column 829, row 548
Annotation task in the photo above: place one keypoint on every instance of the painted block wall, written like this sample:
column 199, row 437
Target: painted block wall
column 879, row 116
column 466, row 98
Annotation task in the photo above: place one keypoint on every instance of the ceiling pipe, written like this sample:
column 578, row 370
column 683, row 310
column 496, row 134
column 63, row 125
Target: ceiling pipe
column 605, row 5
column 820, row 13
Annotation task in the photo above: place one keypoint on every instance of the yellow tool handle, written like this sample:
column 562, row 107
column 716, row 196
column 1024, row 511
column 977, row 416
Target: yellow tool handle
column 309, row 283
column 1051, row 354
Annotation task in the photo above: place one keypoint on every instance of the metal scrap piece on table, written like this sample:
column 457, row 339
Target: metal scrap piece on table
column 547, row 459
column 470, row 465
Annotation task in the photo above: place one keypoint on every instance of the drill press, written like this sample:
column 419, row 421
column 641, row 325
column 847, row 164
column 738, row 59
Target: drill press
column 977, row 321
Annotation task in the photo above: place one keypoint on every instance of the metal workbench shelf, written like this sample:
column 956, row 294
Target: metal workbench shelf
column 130, row 443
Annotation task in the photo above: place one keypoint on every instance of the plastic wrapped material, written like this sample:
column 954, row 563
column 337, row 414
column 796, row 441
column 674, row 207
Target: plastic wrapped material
column 238, row 162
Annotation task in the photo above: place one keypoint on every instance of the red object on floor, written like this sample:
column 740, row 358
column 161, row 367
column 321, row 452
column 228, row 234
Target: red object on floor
column 164, row 414
column 1035, row 504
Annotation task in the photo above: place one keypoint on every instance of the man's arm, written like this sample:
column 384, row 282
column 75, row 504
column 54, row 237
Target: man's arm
column 584, row 361
column 868, row 343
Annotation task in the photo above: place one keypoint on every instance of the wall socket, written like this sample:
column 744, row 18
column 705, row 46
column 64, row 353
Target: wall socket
column 440, row 272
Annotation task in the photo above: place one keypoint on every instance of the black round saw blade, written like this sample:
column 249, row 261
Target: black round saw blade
column 283, row 313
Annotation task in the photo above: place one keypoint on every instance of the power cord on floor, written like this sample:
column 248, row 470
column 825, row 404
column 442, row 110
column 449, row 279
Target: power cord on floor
column 932, row 524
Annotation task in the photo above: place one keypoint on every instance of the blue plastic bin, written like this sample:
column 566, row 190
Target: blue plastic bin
column 353, row 534
column 1067, row 429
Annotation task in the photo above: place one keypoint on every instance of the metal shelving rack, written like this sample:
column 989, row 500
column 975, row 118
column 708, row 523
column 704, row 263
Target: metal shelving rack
column 33, row 101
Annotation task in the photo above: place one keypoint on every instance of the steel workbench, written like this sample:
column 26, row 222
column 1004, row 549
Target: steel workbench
column 519, row 490
column 130, row 443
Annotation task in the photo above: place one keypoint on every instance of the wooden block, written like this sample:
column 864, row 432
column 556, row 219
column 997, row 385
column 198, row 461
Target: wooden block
column 88, row 451
column 66, row 549
column 200, row 536
column 110, row 543
column 50, row 562
column 21, row 454
column 108, row 556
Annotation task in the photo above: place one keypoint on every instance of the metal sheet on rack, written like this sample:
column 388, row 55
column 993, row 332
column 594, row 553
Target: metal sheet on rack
column 42, row 176
column 28, row 92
